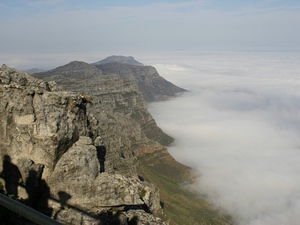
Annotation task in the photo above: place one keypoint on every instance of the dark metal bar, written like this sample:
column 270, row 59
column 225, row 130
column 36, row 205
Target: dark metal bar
column 26, row 211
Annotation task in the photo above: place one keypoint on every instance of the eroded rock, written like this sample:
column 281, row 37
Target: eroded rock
column 49, row 159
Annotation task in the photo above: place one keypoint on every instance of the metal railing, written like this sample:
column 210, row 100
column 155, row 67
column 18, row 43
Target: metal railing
column 26, row 211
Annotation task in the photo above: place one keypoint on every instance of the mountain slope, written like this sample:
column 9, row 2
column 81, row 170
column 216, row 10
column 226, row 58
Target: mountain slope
column 150, row 83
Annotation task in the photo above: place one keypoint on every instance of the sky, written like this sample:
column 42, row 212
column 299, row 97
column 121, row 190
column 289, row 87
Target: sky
column 37, row 28
column 238, row 127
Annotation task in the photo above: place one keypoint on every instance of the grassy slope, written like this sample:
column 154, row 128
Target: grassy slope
column 181, row 206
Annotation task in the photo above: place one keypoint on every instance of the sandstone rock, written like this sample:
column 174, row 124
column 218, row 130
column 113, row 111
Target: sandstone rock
column 78, row 186
column 78, row 172
column 38, row 122
column 47, row 148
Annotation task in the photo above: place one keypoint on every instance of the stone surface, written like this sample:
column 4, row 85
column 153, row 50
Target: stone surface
column 78, row 172
column 49, row 151
column 38, row 122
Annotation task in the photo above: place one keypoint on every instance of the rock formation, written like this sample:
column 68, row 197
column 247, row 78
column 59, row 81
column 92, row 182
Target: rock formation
column 49, row 154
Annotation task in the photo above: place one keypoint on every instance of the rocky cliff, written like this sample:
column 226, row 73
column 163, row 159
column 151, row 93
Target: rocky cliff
column 118, row 113
column 55, row 157
column 150, row 83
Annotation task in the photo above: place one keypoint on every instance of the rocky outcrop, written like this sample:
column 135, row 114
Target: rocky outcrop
column 52, row 154
column 77, row 184
column 38, row 120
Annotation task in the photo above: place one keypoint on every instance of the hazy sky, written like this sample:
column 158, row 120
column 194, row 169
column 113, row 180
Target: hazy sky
column 47, row 26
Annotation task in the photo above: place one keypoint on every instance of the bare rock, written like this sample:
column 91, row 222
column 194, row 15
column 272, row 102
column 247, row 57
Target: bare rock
column 38, row 122
column 46, row 149
column 77, row 173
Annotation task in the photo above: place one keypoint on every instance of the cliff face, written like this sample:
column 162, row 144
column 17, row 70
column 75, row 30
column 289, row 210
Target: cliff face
column 65, row 162
column 150, row 83
column 118, row 113
column 38, row 120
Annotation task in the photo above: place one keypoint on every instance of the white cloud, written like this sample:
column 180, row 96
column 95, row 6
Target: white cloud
column 239, row 128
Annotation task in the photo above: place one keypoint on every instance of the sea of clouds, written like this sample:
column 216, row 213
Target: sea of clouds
column 238, row 127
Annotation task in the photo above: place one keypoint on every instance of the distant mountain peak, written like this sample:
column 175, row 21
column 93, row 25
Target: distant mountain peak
column 129, row 60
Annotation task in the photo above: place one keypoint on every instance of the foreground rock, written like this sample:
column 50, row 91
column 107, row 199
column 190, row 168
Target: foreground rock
column 52, row 157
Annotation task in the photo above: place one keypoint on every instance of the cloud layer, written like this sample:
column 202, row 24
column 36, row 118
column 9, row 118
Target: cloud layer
column 239, row 128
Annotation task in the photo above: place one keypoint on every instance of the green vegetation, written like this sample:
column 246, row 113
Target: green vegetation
column 143, row 193
column 181, row 206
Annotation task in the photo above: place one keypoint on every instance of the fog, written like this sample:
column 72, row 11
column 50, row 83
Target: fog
column 238, row 127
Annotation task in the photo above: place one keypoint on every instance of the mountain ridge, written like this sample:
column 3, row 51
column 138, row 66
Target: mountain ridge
column 150, row 83
column 129, row 60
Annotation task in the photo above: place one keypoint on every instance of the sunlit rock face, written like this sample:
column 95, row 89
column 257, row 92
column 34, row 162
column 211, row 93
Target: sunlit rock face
column 62, row 161
column 38, row 120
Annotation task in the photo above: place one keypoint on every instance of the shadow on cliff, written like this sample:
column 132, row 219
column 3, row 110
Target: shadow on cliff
column 32, row 184
column 39, row 195
column 101, row 152
column 11, row 175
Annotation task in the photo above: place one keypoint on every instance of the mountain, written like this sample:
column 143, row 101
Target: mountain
column 34, row 70
column 129, row 60
column 150, row 83
column 88, row 152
